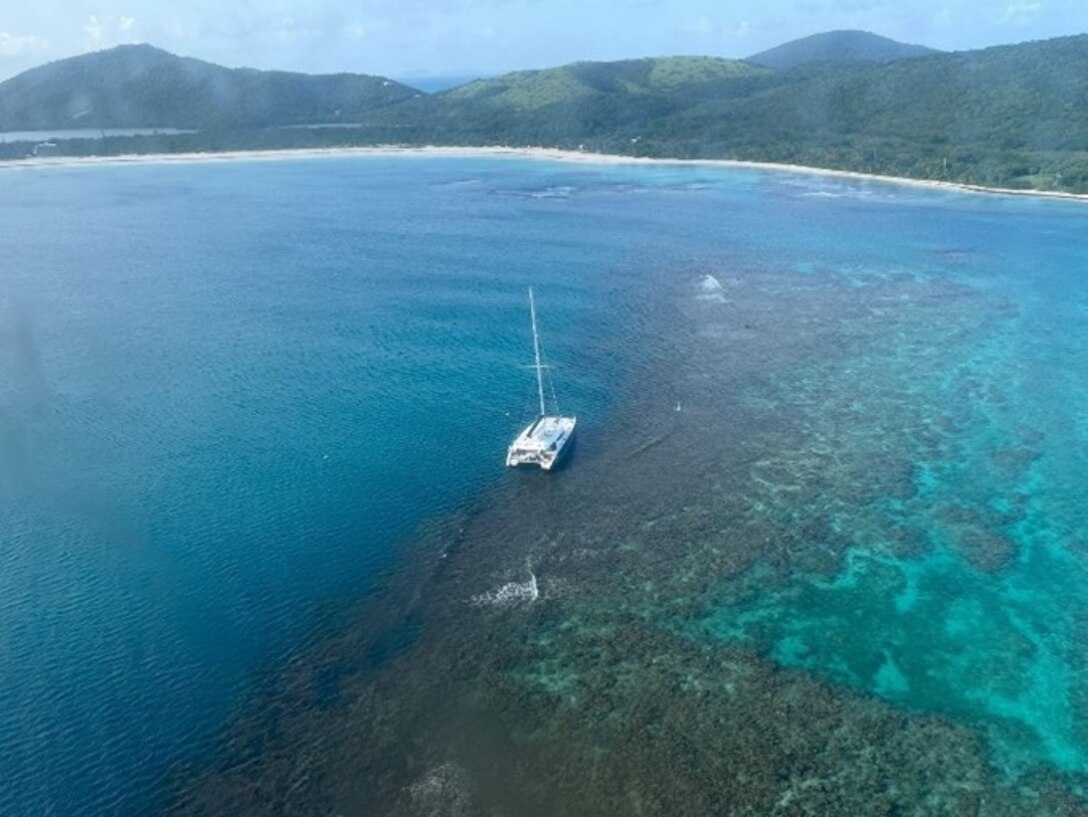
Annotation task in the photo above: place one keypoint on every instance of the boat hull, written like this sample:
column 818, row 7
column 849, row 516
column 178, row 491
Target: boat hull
column 543, row 443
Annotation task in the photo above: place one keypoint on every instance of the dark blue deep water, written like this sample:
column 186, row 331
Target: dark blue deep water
column 230, row 394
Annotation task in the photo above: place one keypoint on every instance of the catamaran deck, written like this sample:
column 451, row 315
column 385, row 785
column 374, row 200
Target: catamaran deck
column 542, row 442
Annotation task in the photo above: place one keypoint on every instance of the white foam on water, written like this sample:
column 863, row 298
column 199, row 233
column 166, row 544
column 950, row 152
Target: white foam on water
column 708, row 283
column 441, row 792
column 710, row 289
column 558, row 192
column 510, row 593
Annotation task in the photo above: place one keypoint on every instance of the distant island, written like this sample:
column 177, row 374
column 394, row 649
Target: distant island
column 1008, row 117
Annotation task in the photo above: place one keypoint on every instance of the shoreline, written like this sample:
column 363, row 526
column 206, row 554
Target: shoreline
column 546, row 154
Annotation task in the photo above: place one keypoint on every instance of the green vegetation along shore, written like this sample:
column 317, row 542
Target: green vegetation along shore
column 1011, row 116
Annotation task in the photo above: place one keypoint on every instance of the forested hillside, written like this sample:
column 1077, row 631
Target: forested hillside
column 1011, row 116
column 141, row 86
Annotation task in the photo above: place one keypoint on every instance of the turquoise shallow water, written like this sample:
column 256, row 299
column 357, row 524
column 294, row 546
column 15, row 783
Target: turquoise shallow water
column 232, row 392
column 962, row 590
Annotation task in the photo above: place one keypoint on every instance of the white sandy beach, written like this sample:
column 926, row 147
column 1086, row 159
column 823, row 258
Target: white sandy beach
column 549, row 154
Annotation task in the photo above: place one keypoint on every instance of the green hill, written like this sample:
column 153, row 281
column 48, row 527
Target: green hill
column 141, row 86
column 661, row 76
column 566, row 105
column 1011, row 116
column 1014, row 116
column 837, row 46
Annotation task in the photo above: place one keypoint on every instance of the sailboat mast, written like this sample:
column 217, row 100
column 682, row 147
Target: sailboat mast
column 536, row 350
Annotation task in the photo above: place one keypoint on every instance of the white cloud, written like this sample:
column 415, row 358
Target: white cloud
column 1021, row 12
column 704, row 28
column 94, row 29
column 14, row 45
column 103, row 32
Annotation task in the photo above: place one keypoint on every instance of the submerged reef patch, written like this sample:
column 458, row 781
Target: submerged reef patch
column 803, row 568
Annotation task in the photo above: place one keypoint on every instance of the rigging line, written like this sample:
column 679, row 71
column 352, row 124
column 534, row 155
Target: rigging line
column 536, row 350
column 555, row 396
column 547, row 369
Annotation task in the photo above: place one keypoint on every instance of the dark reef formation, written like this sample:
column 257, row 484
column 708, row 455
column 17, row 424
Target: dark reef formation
column 564, row 647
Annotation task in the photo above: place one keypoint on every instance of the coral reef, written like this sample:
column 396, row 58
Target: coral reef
column 810, row 589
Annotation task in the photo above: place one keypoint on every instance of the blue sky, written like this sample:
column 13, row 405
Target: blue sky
column 405, row 38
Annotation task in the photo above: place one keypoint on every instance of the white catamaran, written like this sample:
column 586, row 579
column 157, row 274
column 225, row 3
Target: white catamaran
column 543, row 440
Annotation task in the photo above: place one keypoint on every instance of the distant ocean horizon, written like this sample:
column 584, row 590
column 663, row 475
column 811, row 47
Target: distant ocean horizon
column 237, row 394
